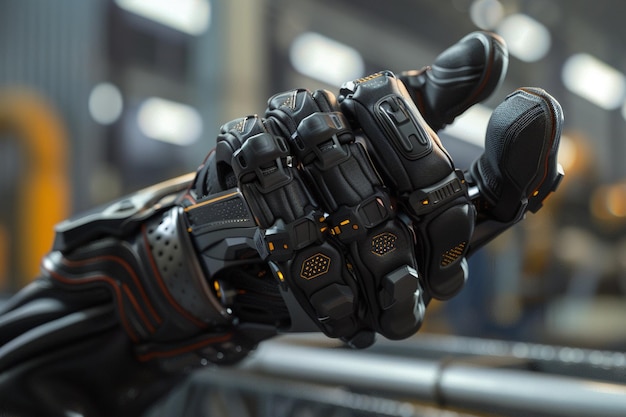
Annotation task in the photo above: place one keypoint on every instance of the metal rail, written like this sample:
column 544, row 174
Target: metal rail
column 501, row 384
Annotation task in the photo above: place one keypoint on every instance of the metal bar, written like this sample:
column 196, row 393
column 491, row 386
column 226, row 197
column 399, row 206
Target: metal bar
column 466, row 386
column 414, row 377
column 523, row 393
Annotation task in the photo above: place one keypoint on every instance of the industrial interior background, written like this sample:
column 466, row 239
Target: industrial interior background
column 100, row 98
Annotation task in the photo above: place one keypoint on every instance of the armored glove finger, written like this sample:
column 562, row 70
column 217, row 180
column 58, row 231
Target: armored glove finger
column 361, row 215
column 464, row 74
column 421, row 174
column 312, row 271
column 519, row 167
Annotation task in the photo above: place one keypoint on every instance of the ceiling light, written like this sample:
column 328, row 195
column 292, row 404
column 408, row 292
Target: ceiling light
column 594, row 80
column 526, row 38
column 169, row 121
column 189, row 16
column 105, row 103
column 325, row 59
column 486, row 14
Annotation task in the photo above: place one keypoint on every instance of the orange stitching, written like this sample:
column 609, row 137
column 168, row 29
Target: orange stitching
column 133, row 301
column 128, row 269
column 109, row 281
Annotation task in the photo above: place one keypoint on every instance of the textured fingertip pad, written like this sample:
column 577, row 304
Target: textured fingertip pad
column 519, row 164
column 445, row 240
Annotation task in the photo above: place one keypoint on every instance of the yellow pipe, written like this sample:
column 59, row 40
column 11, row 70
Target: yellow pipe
column 44, row 192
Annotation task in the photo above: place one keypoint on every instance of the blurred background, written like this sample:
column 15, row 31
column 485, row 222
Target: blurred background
column 100, row 98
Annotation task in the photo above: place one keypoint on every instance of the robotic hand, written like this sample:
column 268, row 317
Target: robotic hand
column 344, row 215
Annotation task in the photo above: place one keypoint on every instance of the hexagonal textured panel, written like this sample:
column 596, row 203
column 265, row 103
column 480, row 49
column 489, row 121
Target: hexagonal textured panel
column 384, row 243
column 315, row 266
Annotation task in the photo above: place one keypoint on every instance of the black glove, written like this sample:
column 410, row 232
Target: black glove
column 345, row 216
column 349, row 267
column 365, row 185
column 339, row 246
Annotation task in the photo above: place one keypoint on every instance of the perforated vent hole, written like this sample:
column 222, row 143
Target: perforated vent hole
column 169, row 258
column 166, row 250
column 150, row 233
